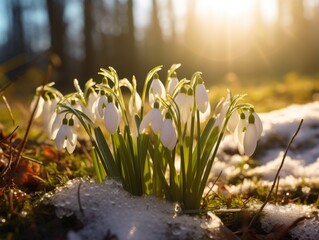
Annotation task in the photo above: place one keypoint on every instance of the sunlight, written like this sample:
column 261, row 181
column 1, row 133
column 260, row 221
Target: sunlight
column 225, row 9
column 240, row 12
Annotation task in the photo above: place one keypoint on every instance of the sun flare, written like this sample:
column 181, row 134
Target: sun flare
column 239, row 11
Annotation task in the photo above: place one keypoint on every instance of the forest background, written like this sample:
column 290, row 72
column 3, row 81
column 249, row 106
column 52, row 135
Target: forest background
column 248, row 41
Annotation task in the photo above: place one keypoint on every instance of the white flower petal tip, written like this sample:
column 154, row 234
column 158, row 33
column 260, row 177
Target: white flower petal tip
column 168, row 134
column 201, row 98
column 204, row 116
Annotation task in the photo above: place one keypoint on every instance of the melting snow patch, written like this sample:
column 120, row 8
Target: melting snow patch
column 108, row 209
column 307, row 229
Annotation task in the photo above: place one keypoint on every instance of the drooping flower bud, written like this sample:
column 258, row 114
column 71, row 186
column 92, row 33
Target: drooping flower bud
column 201, row 97
column 250, row 137
column 156, row 89
column 153, row 118
column 112, row 117
column 168, row 133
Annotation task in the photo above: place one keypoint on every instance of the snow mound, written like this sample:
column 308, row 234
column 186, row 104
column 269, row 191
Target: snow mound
column 307, row 229
column 110, row 210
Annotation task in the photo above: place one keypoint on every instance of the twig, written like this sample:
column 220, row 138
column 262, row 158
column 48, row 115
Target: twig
column 79, row 199
column 5, row 170
column 24, row 141
column 9, row 109
column 214, row 183
column 277, row 174
column 276, row 192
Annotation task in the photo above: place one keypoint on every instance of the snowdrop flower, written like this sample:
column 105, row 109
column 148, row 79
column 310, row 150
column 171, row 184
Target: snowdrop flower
column 221, row 111
column 240, row 132
column 90, row 108
column 172, row 82
column 156, row 89
column 258, row 123
column 153, row 118
column 48, row 113
column 250, row 137
column 134, row 104
column 39, row 109
column 205, row 115
column 201, row 97
column 66, row 136
column 101, row 104
column 112, row 117
column 168, row 133
column 233, row 122
column 184, row 102
column 56, row 124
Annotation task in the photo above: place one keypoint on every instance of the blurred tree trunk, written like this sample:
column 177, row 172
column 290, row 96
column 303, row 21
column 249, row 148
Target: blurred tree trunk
column 154, row 39
column 17, row 44
column 300, row 32
column 89, row 63
column 55, row 10
column 129, row 39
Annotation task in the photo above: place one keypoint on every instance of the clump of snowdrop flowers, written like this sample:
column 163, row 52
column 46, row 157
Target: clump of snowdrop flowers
column 140, row 147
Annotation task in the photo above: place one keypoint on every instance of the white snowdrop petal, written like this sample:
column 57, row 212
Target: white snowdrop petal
column 111, row 118
column 39, row 109
column 70, row 146
column 156, row 89
column 233, row 122
column 71, row 135
column 56, row 125
column 168, row 134
column 46, row 113
column 60, row 137
column 135, row 104
column 49, row 124
column 54, row 102
column 145, row 121
column 201, row 98
column 179, row 99
column 239, row 131
column 204, row 116
column 173, row 140
column 258, row 124
column 157, row 120
column 172, row 82
column 102, row 102
column 250, row 139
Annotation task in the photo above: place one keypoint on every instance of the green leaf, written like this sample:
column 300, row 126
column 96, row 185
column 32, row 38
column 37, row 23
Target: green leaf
column 107, row 157
column 98, row 166
column 143, row 162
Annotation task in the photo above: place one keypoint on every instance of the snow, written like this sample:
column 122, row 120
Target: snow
column 108, row 209
column 302, row 161
column 307, row 229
